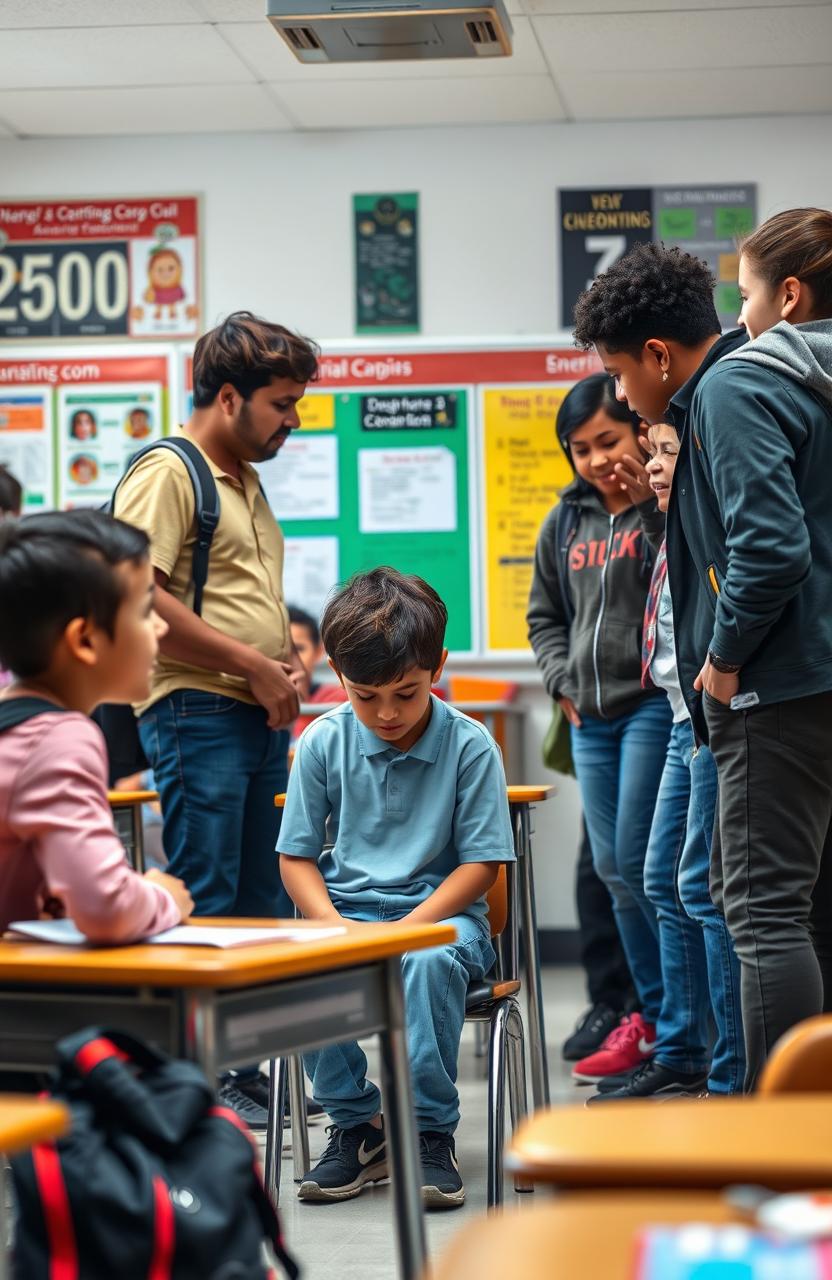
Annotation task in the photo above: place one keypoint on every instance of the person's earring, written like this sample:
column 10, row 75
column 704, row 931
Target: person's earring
column 664, row 376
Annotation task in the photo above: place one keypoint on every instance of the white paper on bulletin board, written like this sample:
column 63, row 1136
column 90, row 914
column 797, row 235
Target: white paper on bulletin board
column 26, row 442
column 407, row 490
column 310, row 571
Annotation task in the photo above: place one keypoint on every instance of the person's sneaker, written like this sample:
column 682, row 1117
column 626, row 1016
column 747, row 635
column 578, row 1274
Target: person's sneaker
column 257, row 1088
column 441, row 1184
column 655, row 1081
column 626, row 1047
column 591, row 1030
column 352, row 1157
column 230, row 1095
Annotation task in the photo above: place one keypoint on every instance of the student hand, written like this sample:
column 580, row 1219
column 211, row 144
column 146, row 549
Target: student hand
column 634, row 478
column 176, row 888
column 300, row 679
column 569, row 709
column 271, row 684
column 720, row 685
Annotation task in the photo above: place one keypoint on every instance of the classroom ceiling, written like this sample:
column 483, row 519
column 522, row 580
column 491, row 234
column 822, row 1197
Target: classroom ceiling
column 103, row 67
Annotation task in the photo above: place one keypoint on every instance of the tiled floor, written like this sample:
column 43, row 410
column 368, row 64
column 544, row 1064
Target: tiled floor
column 355, row 1240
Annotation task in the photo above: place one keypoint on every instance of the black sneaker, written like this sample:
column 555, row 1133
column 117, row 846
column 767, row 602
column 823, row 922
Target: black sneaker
column 257, row 1088
column 351, row 1158
column 230, row 1095
column 652, row 1080
column 591, row 1029
column 441, row 1184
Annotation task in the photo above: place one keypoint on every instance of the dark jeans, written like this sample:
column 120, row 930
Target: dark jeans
column 608, row 977
column 771, row 869
column 217, row 766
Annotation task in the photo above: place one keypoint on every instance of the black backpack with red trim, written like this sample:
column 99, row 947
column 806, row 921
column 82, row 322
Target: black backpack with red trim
column 153, row 1181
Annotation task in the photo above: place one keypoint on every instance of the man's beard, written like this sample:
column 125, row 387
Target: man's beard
column 245, row 432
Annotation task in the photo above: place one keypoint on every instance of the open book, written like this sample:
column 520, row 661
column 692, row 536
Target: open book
column 66, row 933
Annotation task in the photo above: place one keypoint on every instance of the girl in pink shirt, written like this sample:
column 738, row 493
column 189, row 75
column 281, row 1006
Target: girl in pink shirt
column 77, row 628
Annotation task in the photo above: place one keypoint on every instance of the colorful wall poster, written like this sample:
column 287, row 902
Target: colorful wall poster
column 26, row 440
column 598, row 226
column 100, row 268
column 386, row 229
column 101, row 422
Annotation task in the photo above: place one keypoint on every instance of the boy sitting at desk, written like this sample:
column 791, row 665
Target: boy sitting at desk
column 396, row 810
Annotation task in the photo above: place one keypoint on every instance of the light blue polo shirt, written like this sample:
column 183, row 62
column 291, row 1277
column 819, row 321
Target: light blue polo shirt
column 390, row 826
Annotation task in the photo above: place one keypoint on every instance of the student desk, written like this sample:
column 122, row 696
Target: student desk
column 24, row 1122
column 520, row 803
column 127, row 815
column 582, row 1236
column 226, row 1009
column 783, row 1142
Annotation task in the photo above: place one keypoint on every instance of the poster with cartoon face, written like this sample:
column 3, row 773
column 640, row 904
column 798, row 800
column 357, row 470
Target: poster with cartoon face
column 164, row 285
column 99, row 429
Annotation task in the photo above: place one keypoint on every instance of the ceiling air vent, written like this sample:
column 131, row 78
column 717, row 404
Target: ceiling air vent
column 391, row 30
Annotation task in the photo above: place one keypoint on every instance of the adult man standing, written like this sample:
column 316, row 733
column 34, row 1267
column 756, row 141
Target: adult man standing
column 225, row 691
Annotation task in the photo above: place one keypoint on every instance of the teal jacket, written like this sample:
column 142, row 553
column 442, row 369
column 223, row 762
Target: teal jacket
column 755, row 506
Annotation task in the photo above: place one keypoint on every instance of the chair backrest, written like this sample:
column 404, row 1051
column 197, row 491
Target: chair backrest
column 801, row 1061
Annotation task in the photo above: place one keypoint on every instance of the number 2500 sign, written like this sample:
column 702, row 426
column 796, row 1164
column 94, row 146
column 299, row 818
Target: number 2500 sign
column 64, row 290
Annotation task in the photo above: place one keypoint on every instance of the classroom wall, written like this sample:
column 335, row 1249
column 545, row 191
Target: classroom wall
column 277, row 224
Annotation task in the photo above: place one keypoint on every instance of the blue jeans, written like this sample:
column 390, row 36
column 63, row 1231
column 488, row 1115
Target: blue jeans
column 619, row 765
column 728, row 1058
column 435, row 986
column 217, row 767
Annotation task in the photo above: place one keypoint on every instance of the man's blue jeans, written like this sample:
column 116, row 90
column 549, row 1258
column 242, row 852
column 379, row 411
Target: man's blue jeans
column 435, row 986
column 619, row 765
column 699, row 969
column 217, row 767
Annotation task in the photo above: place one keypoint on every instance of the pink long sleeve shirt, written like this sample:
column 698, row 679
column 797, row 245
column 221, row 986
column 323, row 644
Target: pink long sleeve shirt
column 57, row 837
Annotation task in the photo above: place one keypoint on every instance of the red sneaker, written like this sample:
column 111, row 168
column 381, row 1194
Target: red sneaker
column 625, row 1048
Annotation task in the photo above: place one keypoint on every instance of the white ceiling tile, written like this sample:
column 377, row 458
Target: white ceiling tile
column 201, row 109
column 579, row 7
column 93, row 56
column 232, row 10
column 627, row 95
column 271, row 60
column 96, row 13
column 402, row 103
column 664, row 41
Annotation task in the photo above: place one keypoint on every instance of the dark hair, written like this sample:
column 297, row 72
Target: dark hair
column 11, row 493
column 381, row 624
column 795, row 243
column 597, row 391
column 248, row 352
column 652, row 292
column 303, row 619
column 56, row 567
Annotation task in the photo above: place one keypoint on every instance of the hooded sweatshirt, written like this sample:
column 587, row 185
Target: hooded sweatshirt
column 586, row 606
column 756, row 511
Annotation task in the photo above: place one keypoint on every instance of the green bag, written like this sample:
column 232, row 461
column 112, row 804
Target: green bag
column 557, row 745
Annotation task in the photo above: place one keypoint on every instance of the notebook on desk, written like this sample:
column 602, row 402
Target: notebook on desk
column 66, row 933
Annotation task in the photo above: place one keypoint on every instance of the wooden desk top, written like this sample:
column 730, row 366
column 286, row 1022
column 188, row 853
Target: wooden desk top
column 583, row 1235
column 44, row 963
column 516, row 795
column 780, row 1142
column 123, row 799
column 25, row 1121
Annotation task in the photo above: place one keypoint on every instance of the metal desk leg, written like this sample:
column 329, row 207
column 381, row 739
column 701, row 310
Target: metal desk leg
column 5, row 1222
column 534, row 990
column 400, row 1127
column 138, row 838
column 297, row 1110
column 278, row 1076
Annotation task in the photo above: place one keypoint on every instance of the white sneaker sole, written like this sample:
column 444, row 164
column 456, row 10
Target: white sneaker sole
column 433, row 1198
column 310, row 1190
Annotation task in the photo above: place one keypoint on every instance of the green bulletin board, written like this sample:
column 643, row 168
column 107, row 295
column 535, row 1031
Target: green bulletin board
column 378, row 476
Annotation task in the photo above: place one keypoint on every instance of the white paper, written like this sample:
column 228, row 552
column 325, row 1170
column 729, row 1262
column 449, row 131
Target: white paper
column 67, row 933
column 310, row 571
column 26, row 442
column 407, row 490
column 301, row 483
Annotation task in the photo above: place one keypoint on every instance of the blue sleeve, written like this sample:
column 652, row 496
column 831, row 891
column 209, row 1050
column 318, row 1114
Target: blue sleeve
column 750, row 430
column 482, row 825
column 303, row 826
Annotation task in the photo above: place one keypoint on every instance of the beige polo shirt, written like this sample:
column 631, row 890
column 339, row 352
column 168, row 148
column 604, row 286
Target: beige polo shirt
column 243, row 597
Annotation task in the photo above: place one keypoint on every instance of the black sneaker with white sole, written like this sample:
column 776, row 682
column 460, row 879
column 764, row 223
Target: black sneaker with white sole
column 351, row 1159
column 441, row 1184
column 656, row 1082
column 256, row 1087
column 255, row 1116
column 591, row 1030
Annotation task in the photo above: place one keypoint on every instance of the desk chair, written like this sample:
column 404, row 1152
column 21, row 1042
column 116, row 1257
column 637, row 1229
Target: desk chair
column 801, row 1061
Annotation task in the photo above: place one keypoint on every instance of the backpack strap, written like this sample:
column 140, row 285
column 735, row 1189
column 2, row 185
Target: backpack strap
column 15, row 711
column 206, row 503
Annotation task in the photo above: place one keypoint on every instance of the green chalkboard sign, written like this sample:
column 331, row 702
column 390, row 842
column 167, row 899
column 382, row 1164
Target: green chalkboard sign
column 386, row 263
column 378, row 477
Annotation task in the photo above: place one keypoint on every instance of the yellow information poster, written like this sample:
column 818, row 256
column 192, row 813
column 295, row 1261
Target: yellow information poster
column 525, row 468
